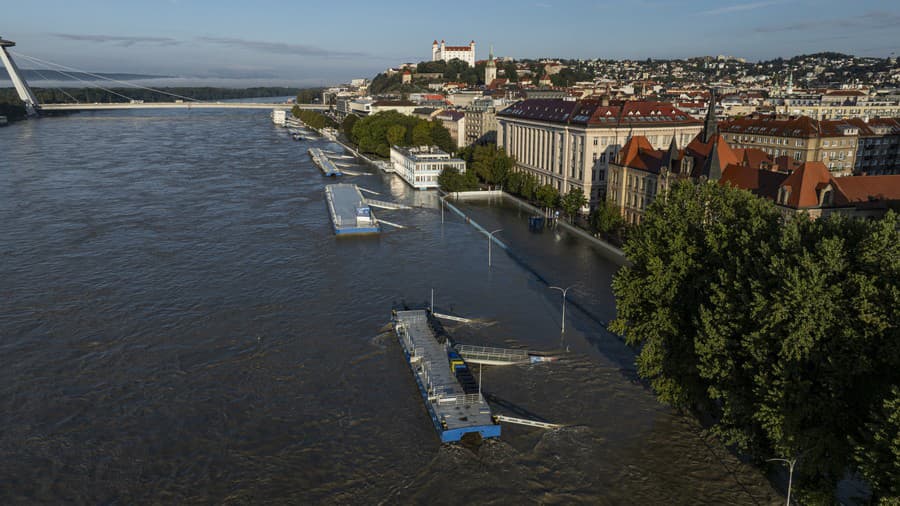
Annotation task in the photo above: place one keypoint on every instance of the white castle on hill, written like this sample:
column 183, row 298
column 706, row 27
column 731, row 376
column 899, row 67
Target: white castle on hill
column 444, row 52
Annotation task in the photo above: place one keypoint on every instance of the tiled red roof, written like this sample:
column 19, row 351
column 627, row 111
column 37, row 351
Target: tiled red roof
column 804, row 184
column 763, row 183
column 845, row 93
column 498, row 82
column 590, row 112
column 867, row 129
column 754, row 157
column 632, row 151
column 869, row 188
column 799, row 127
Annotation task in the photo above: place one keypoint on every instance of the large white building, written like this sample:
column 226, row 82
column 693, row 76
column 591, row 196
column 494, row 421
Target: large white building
column 569, row 144
column 420, row 167
column 444, row 52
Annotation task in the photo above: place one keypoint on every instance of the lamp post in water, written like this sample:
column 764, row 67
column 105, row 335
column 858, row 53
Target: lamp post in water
column 790, row 463
column 491, row 240
column 564, row 291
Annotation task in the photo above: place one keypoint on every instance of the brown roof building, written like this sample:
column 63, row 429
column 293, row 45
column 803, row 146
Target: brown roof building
column 814, row 190
column 568, row 143
column 641, row 172
column 832, row 142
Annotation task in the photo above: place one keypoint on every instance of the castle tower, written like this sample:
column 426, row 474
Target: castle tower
column 490, row 69
column 435, row 55
column 25, row 94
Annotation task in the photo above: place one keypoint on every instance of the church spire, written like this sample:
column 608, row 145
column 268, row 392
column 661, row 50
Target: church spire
column 712, row 168
column 671, row 155
column 710, row 127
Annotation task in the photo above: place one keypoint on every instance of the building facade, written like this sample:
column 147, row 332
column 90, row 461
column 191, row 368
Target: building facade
column 839, row 104
column 832, row 142
column 569, row 144
column 641, row 171
column 421, row 166
column 481, row 124
column 455, row 123
column 446, row 53
column 878, row 151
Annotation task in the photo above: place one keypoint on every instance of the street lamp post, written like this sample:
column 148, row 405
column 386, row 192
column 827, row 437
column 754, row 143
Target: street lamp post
column 491, row 240
column 790, row 463
column 564, row 291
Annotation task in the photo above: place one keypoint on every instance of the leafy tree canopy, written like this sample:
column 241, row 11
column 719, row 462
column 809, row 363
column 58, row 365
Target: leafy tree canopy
column 785, row 332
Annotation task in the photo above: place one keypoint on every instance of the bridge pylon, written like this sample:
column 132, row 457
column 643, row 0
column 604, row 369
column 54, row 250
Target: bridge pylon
column 31, row 104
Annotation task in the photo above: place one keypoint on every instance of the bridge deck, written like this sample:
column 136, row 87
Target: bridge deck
column 175, row 105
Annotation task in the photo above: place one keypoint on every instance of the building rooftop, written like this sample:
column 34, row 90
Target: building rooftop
column 594, row 112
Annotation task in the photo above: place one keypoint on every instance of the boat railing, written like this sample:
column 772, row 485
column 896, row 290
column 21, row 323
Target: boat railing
column 455, row 400
column 485, row 353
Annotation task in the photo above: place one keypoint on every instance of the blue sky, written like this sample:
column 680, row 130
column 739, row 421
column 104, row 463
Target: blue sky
column 306, row 42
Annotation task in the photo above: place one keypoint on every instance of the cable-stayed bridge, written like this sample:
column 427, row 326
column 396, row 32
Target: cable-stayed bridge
column 33, row 107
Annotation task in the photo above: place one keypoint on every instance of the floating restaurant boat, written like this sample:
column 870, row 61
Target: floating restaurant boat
column 324, row 163
column 451, row 394
column 350, row 214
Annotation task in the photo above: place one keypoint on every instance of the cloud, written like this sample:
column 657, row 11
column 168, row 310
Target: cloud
column 739, row 8
column 279, row 47
column 118, row 40
column 872, row 20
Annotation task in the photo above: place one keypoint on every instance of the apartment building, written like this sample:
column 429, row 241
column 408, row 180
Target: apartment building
column 878, row 150
column 832, row 142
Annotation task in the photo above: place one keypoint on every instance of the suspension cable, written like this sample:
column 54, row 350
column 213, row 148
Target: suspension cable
column 106, row 78
column 89, row 83
column 42, row 76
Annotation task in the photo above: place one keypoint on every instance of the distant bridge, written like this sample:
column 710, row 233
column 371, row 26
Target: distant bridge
column 32, row 107
column 174, row 105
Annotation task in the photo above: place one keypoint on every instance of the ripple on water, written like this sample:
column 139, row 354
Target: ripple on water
column 179, row 324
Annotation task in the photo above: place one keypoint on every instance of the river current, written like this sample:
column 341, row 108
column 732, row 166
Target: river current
column 178, row 324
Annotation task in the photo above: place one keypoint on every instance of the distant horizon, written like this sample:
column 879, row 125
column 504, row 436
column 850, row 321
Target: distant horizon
column 312, row 82
column 284, row 41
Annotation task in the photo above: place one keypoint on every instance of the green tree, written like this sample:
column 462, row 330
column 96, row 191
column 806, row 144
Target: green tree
column 421, row 134
column 347, row 126
column 573, row 201
column 513, row 183
column 491, row 164
column 441, row 138
column 451, row 180
column 529, row 186
column 877, row 456
column 779, row 331
column 606, row 218
column 547, row 196
column 510, row 71
column 396, row 134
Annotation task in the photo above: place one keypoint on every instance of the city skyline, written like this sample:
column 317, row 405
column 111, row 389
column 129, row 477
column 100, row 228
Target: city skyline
column 282, row 42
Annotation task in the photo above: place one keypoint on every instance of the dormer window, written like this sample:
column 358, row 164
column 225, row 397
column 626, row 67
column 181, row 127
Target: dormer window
column 826, row 197
column 784, row 193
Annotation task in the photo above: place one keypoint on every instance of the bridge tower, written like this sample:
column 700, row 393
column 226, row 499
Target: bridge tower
column 31, row 104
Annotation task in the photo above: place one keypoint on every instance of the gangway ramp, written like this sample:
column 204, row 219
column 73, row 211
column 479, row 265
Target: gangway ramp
column 492, row 356
column 452, row 318
column 524, row 421
column 386, row 205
